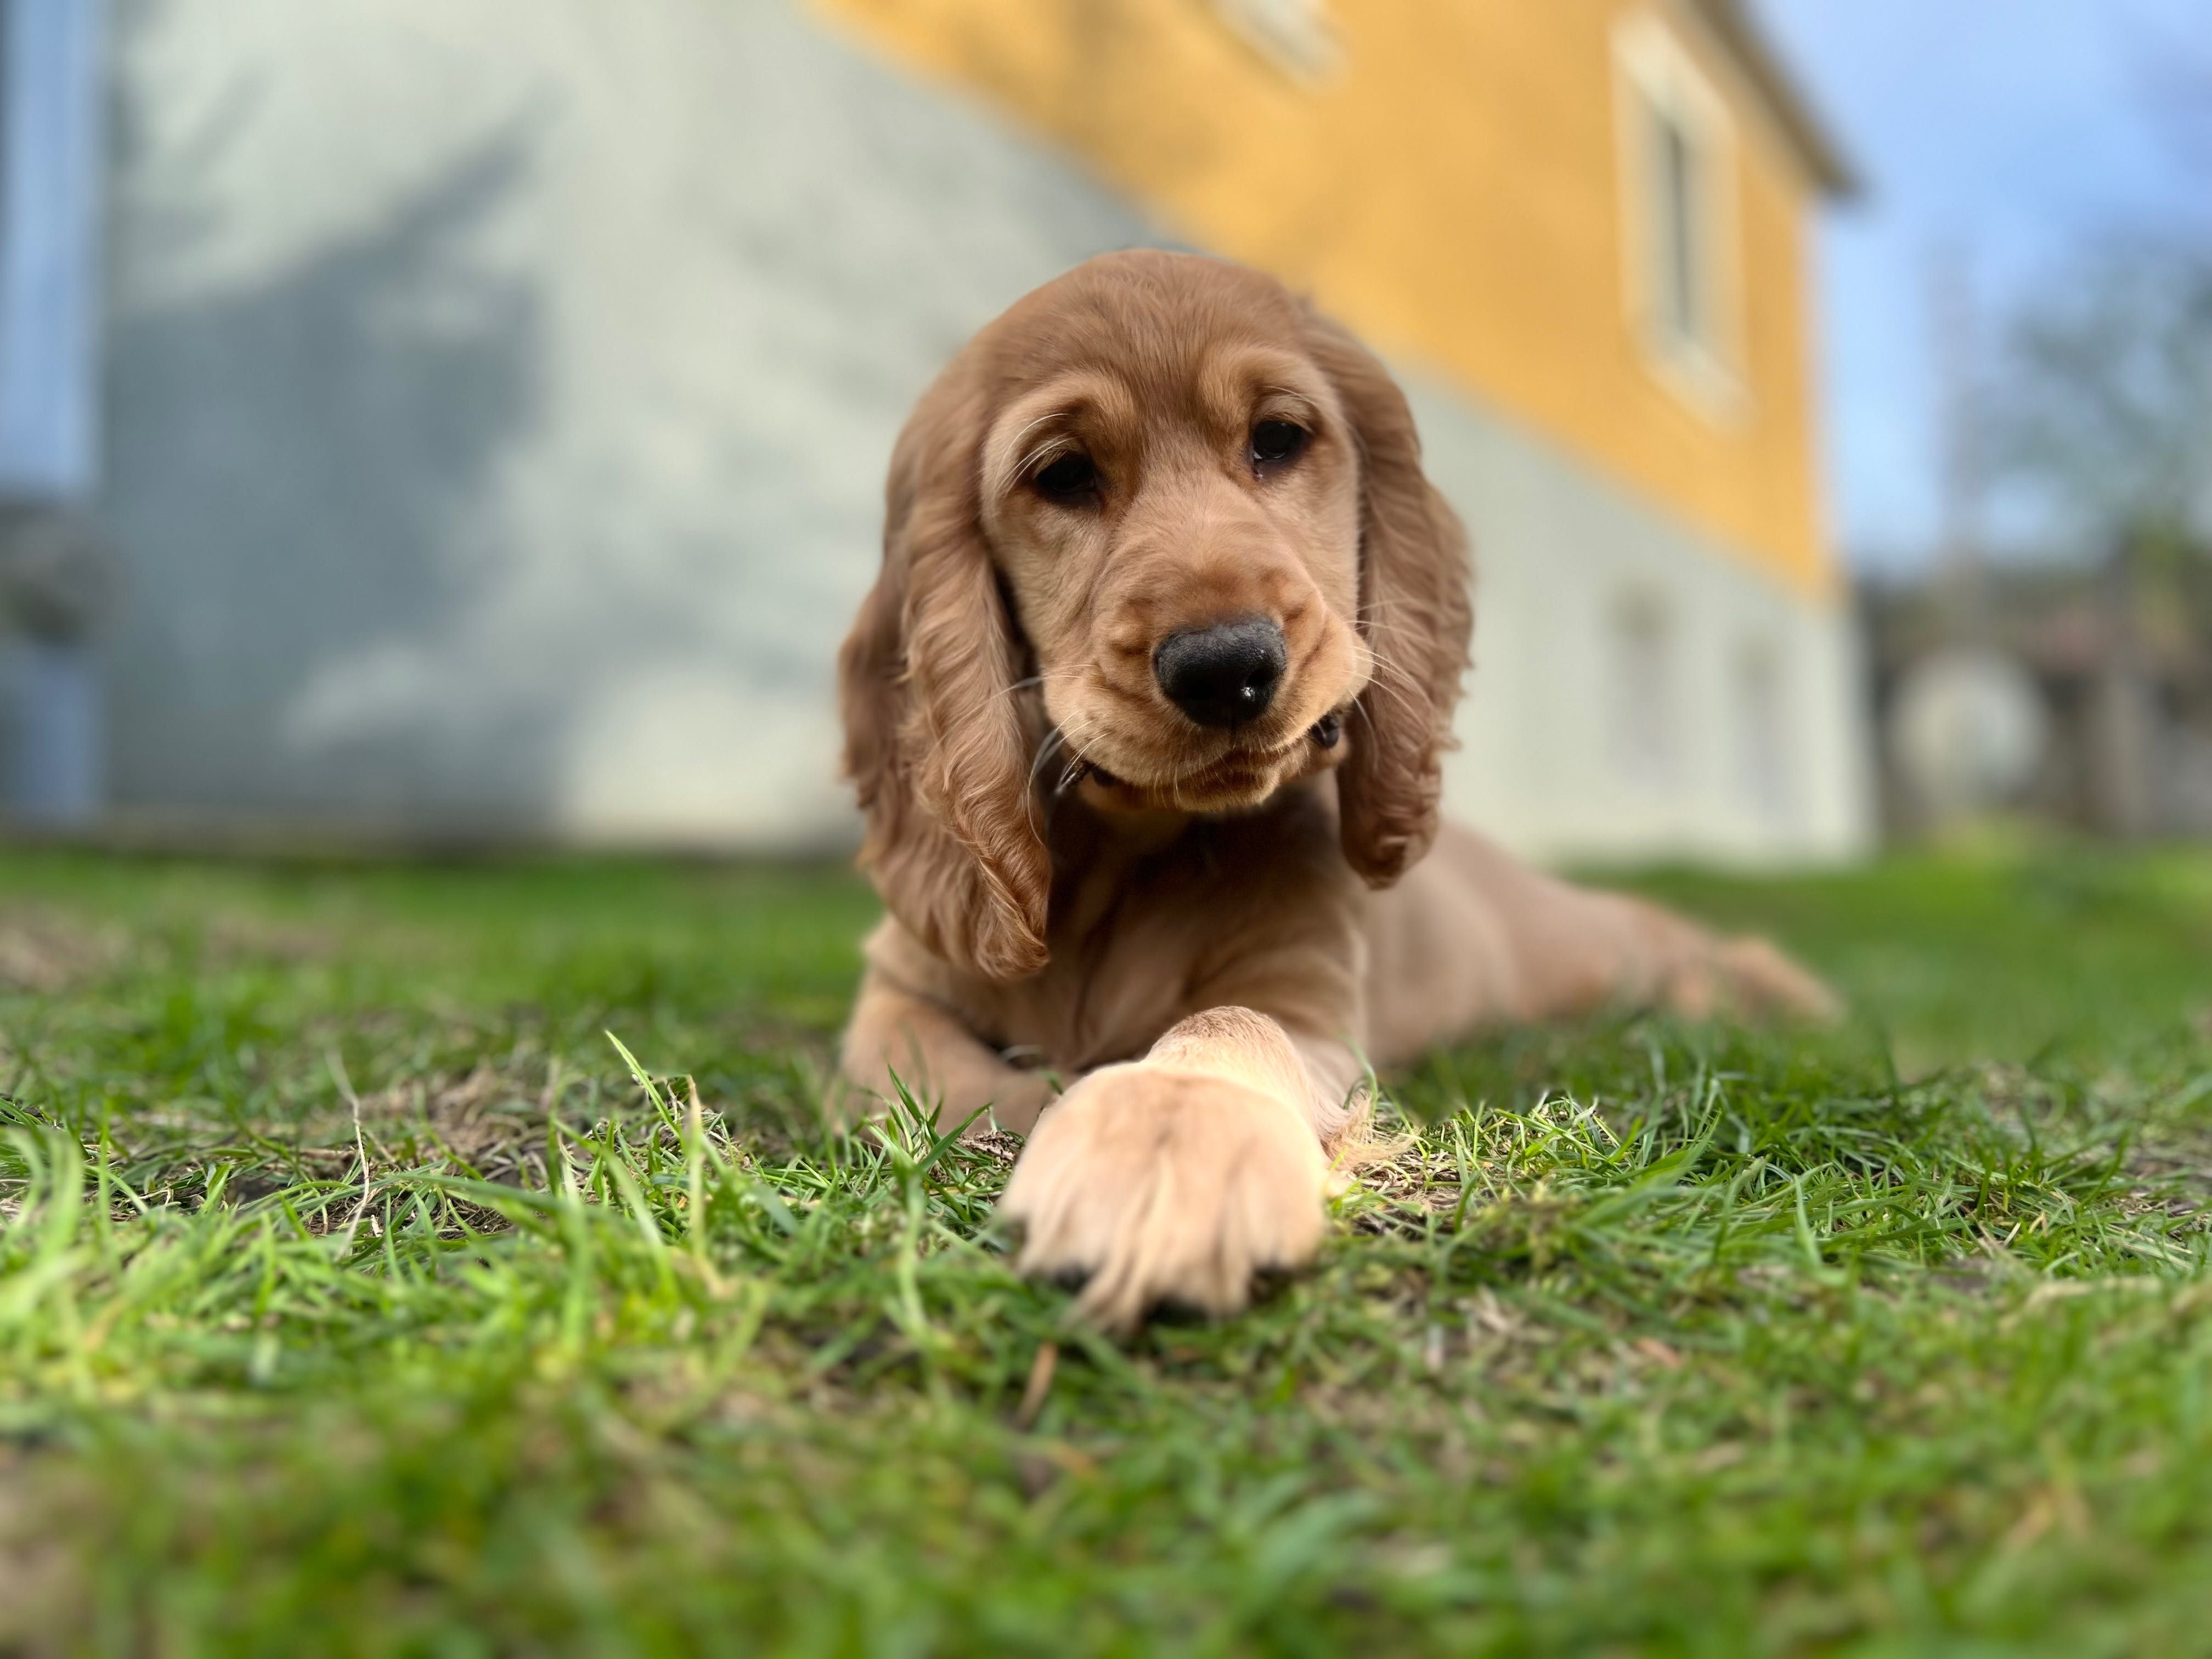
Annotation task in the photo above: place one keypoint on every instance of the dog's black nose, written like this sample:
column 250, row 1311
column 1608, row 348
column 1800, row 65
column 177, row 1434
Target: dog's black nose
column 1223, row 675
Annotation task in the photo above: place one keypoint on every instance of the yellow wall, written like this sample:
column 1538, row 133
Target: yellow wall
column 1453, row 192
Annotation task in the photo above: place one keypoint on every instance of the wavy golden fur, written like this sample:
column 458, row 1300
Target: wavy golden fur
column 1166, row 947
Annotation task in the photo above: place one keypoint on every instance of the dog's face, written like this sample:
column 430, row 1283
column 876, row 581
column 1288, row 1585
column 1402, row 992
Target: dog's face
column 1162, row 532
column 1178, row 530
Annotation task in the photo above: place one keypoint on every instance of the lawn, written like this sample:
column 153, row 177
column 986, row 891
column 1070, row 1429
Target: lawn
column 356, row 1297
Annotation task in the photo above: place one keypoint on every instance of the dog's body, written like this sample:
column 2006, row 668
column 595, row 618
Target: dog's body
column 1146, row 713
column 1469, row 939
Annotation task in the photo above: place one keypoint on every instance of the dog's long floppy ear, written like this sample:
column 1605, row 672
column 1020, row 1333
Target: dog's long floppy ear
column 1414, row 613
column 934, row 740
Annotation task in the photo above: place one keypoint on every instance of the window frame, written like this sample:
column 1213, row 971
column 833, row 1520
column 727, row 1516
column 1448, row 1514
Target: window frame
column 1642, row 689
column 1296, row 36
column 1659, row 84
column 1766, row 761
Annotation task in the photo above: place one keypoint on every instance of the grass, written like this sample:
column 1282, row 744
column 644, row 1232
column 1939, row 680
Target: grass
column 356, row 1297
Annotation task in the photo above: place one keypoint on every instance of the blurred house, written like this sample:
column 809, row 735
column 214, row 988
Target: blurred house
column 2113, row 671
column 497, row 393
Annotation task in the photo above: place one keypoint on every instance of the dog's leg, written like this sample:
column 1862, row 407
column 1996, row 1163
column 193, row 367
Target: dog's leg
column 894, row 1033
column 1474, row 936
column 1179, row 1176
column 1664, row 960
column 1581, row 949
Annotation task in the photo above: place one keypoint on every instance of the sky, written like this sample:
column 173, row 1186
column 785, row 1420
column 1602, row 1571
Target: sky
column 1995, row 136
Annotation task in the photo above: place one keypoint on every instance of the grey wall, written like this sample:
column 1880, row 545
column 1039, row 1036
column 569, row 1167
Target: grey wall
column 1742, row 738
column 500, row 394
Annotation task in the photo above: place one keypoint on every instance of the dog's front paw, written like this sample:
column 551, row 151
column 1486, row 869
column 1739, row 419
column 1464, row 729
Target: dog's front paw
column 1162, row 1185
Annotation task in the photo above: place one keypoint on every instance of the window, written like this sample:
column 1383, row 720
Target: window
column 1678, row 159
column 1679, row 250
column 1294, row 35
column 1641, row 653
column 1763, row 732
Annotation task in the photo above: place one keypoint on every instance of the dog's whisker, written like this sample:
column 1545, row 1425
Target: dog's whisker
column 1377, row 613
column 1031, row 458
column 1397, row 686
column 1077, row 764
column 1395, row 679
column 1046, row 749
column 1051, row 743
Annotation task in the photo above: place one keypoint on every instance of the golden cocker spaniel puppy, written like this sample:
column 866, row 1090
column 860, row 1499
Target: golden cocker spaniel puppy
column 1144, row 712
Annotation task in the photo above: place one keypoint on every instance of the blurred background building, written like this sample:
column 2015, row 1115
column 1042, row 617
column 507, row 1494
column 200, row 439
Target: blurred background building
column 2056, row 664
column 493, row 396
column 2021, row 400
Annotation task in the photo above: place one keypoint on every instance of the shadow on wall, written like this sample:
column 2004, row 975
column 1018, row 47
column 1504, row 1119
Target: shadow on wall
column 297, row 470
column 539, row 501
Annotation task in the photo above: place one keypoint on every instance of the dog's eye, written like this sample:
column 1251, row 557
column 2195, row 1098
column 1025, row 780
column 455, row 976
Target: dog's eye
column 1070, row 478
column 1274, row 442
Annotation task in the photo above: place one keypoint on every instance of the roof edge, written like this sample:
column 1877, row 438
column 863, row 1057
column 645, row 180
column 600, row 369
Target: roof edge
column 1808, row 134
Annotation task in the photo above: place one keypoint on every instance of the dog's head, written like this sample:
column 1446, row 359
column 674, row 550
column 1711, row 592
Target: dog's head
column 1162, row 530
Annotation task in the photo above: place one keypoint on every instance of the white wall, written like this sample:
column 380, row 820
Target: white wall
column 1553, row 760
column 502, row 391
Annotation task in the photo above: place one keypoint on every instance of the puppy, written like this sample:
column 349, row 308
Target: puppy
column 1145, row 712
